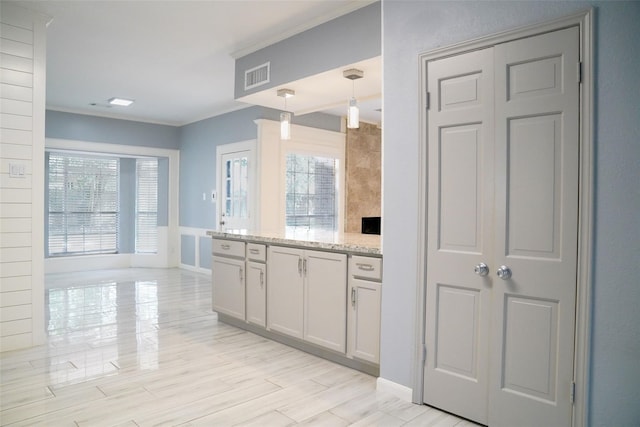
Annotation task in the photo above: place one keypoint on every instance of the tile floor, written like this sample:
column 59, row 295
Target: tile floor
column 141, row 347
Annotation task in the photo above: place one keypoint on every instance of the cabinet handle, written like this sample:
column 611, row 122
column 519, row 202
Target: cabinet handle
column 300, row 266
column 353, row 297
column 365, row 267
column 262, row 279
column 254, row 251
column 225, row 246
column 304, row 266
column 241, row 275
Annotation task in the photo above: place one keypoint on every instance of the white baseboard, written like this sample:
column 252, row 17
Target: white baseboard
column 166, row 257
column 196, row 269
column 86, row 263
column 398, row 390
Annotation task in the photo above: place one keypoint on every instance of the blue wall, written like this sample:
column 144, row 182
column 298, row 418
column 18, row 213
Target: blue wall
column 412, row 28
column 198, row 142
column 81, row 127
column 347, row 39
column 85, row 128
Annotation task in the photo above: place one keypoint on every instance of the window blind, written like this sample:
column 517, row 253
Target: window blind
column 146, row 205
column 83, row 204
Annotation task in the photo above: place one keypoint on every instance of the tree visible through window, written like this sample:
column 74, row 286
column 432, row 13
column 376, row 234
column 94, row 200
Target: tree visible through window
column 311, row 192
column 83, row 204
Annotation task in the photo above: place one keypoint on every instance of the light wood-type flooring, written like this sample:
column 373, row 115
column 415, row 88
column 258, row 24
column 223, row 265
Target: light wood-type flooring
column 141, row 347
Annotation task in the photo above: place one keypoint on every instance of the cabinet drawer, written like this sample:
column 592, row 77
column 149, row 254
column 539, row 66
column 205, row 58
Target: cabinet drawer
column 365, row 267
column 230, row 248
column 256, row 252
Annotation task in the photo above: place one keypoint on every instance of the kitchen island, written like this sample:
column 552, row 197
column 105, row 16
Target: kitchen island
column 316, row 291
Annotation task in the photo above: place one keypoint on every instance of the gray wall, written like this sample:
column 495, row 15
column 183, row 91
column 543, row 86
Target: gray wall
column 347, row 39
column 81, row 127
column 411, row 28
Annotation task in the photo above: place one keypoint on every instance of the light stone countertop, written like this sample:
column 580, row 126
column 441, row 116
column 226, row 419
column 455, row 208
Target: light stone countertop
column 358, row 244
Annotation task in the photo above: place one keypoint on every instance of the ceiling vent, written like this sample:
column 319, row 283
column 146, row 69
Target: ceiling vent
column 257, row 76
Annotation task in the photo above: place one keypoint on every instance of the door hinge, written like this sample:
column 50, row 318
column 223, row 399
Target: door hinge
column 572, row 395
column 424, row 353
column 428, row 100
column 579, row 72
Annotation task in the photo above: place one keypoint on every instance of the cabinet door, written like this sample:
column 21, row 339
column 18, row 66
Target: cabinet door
column 228, row 286
column 256, row 293
column 364, row 320
column 285, row 291
column 325, row 299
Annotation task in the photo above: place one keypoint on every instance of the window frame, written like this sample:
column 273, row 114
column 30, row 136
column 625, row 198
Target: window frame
column 67, row 214
column 169, row 244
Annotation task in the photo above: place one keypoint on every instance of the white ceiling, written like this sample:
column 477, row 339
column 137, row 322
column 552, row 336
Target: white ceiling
column 175, row 58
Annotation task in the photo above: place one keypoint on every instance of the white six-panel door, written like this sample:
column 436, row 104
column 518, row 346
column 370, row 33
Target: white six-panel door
column 503, row 191
column 461, row 147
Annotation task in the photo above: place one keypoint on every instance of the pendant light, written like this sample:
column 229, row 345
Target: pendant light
column 285, row 116
column 353, row 113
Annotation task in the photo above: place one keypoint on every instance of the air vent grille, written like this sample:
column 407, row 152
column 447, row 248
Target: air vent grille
column 257, row 76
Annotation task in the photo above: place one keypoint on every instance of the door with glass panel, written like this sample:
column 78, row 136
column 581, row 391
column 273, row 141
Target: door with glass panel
column 235, row 174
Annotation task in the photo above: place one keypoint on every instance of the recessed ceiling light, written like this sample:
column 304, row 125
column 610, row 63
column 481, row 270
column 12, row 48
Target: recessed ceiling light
column 122, row 102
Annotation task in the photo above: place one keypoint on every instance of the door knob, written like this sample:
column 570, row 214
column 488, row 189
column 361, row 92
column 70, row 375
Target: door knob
column 504, row 272
column 481, row 269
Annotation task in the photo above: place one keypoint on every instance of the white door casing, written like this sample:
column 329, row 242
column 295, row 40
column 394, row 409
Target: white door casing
column 502, row 351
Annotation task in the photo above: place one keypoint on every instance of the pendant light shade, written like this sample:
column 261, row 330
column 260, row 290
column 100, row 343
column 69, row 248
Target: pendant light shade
column 285, row 125
column 285, row 116
column 353, row 113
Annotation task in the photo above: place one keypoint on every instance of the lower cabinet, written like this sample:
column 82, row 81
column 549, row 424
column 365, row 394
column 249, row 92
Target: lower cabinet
column 327, row 299
column 227, row 277
column 256, row 293
column 285, row 293
column 365, row 275
column 307, row 295
column 228, row 286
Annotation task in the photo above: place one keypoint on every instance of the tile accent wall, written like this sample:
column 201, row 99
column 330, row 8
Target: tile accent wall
column 364, row 175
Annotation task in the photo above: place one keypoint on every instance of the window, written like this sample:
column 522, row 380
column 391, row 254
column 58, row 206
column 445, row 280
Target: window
column 83, row 204
column 146, row 205
column 236, row 183
column 311, row 192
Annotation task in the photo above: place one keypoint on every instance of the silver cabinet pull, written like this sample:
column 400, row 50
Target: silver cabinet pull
column 304, row 266
column 353, row 297
column 241, row 276
column 261, row 279
column 365, row 267
column 254, row 251
column 481, row 269
column 504, row 272
column 225, row 246
column 300, row 266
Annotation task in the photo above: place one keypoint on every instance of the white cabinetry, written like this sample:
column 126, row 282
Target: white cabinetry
column 228, row 277
column 307, row 295
column 285, row 292
column 365, row 275
column 256, row 286
column 325, row 299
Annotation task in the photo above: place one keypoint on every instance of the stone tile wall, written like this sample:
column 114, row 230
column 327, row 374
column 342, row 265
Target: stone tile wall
column 364, row 175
